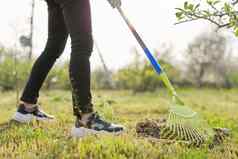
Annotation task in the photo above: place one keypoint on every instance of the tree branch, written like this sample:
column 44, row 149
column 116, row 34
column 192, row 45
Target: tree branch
column 198, row 16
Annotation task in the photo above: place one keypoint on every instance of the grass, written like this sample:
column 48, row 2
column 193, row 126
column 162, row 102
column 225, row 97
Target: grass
column 52, row 140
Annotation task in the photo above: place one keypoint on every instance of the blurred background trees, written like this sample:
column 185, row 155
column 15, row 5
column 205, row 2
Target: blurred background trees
column 209, row 62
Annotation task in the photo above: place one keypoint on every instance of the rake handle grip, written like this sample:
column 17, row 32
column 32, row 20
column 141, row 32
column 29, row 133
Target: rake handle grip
column 149, row 55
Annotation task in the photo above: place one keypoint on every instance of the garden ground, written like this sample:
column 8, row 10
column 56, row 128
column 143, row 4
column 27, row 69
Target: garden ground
column 52, row 140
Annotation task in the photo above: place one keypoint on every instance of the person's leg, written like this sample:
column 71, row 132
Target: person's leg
column 78, row 21
column 57, row 36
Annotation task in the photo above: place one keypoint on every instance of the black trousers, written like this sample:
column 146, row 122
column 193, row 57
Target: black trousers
column 66, row 17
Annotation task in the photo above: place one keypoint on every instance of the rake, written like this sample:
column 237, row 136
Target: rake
column 179, row 113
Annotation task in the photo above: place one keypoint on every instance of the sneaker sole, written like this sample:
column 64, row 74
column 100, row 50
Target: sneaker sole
column 45, row 119
column 22, row 118
column 83, row 132
column 26, row 118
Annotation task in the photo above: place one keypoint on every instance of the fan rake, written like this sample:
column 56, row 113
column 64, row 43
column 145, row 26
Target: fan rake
column 182, row 119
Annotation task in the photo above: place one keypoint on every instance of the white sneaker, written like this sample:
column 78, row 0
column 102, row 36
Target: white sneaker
column 24, row 116
column 95, row 125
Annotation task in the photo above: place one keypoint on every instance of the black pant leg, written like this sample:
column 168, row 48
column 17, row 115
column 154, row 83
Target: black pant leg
column 57, row 37
column 78, row 21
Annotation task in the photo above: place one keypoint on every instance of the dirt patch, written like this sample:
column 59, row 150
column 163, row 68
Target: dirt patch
column 150, row 128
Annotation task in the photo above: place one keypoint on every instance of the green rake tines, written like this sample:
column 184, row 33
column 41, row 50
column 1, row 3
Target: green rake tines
column 179, row 132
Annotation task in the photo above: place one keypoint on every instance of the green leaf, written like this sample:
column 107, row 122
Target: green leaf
column 232, row 23
column 190, row 7
column 207, row 13
column 216, row 2
column 179, row 15
column 236, row 32
column 186, row 5
column 209, row 2
column 227, row 8
column 197, row 6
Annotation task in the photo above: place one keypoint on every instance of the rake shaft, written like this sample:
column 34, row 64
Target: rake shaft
column 158, row 68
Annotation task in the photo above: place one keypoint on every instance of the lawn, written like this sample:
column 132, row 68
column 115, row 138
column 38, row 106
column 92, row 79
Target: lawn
column 52, row 140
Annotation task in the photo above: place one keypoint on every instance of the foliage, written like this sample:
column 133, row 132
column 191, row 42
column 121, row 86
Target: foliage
column 138, row 76
column 233, row 76
column 142, row 77
column 221, row 13
column 13, row 74
column 58, row 78
column 137, row 79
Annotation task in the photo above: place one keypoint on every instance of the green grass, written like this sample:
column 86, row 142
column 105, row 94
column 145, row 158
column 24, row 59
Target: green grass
column 52, row 140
